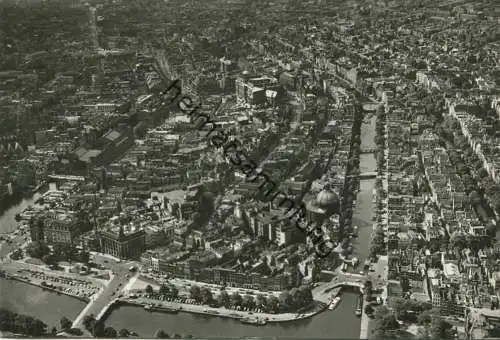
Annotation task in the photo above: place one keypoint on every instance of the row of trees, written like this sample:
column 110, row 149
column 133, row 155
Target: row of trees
column 66, row 326
column 378, row 245
column 99, row 329
column 170, row 290
column 161, row 334
column 288, row 300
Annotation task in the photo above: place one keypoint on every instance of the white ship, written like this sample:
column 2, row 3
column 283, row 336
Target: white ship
column 334, row 303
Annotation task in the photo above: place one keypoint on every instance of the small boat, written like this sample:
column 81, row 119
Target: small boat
column 148, row 307
column 170, row 310
column 355, row 230
column 255, row 321
column 334, row 303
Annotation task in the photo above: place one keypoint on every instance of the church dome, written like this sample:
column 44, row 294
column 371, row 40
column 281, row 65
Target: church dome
column 328, row 199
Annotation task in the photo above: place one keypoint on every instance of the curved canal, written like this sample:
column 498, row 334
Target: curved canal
column 336, row 324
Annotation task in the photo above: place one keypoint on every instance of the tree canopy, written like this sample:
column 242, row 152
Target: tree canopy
column 23, row 324
column 65, row 323
column 160, row 334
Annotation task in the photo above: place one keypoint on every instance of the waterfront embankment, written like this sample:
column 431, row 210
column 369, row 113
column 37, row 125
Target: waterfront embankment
column 44, row 304
column 71, row 284
column 340, row 323
column 46, row 287
column 364, row 209
column 168, row 306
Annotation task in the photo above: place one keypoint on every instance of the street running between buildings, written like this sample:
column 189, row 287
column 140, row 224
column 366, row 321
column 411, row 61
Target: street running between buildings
column 234, row 152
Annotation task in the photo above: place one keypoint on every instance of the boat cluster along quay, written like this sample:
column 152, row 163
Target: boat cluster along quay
column 246, row 320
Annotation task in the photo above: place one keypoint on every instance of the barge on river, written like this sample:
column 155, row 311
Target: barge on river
column 359, row 305
column 253, row 321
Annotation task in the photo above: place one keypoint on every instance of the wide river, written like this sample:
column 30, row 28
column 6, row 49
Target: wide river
column 47, row 306
column 340, row 323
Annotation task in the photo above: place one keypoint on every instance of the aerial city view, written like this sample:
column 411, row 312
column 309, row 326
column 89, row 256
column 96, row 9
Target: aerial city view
column 202, row 169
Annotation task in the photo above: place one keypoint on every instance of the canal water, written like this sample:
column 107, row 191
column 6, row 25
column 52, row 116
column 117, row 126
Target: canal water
column 8, row 221
column 47, row 306
column 363, row 211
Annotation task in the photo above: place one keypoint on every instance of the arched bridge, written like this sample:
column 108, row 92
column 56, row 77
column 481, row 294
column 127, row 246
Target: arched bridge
column 364, row 175
column 359, row 285
column 323, row 292
column 368, row 175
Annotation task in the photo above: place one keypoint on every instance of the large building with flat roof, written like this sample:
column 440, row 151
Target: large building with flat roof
column 123, row 245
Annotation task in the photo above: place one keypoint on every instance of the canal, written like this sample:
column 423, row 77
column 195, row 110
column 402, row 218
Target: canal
column 363, row 211
column 8, row 221
column 47, row 306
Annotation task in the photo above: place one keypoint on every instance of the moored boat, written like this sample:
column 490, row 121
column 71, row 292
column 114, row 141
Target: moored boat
column 171, row 310
column 164, row 309
column 334, row 303
column 253, row 321
column 359, row 305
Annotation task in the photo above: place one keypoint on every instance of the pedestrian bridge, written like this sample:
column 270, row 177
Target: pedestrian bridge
column 368, row 150
column 368, row 175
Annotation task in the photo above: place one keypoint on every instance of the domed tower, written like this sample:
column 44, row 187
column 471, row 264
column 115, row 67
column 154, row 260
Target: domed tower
column 325, row 205
column 328, row 200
